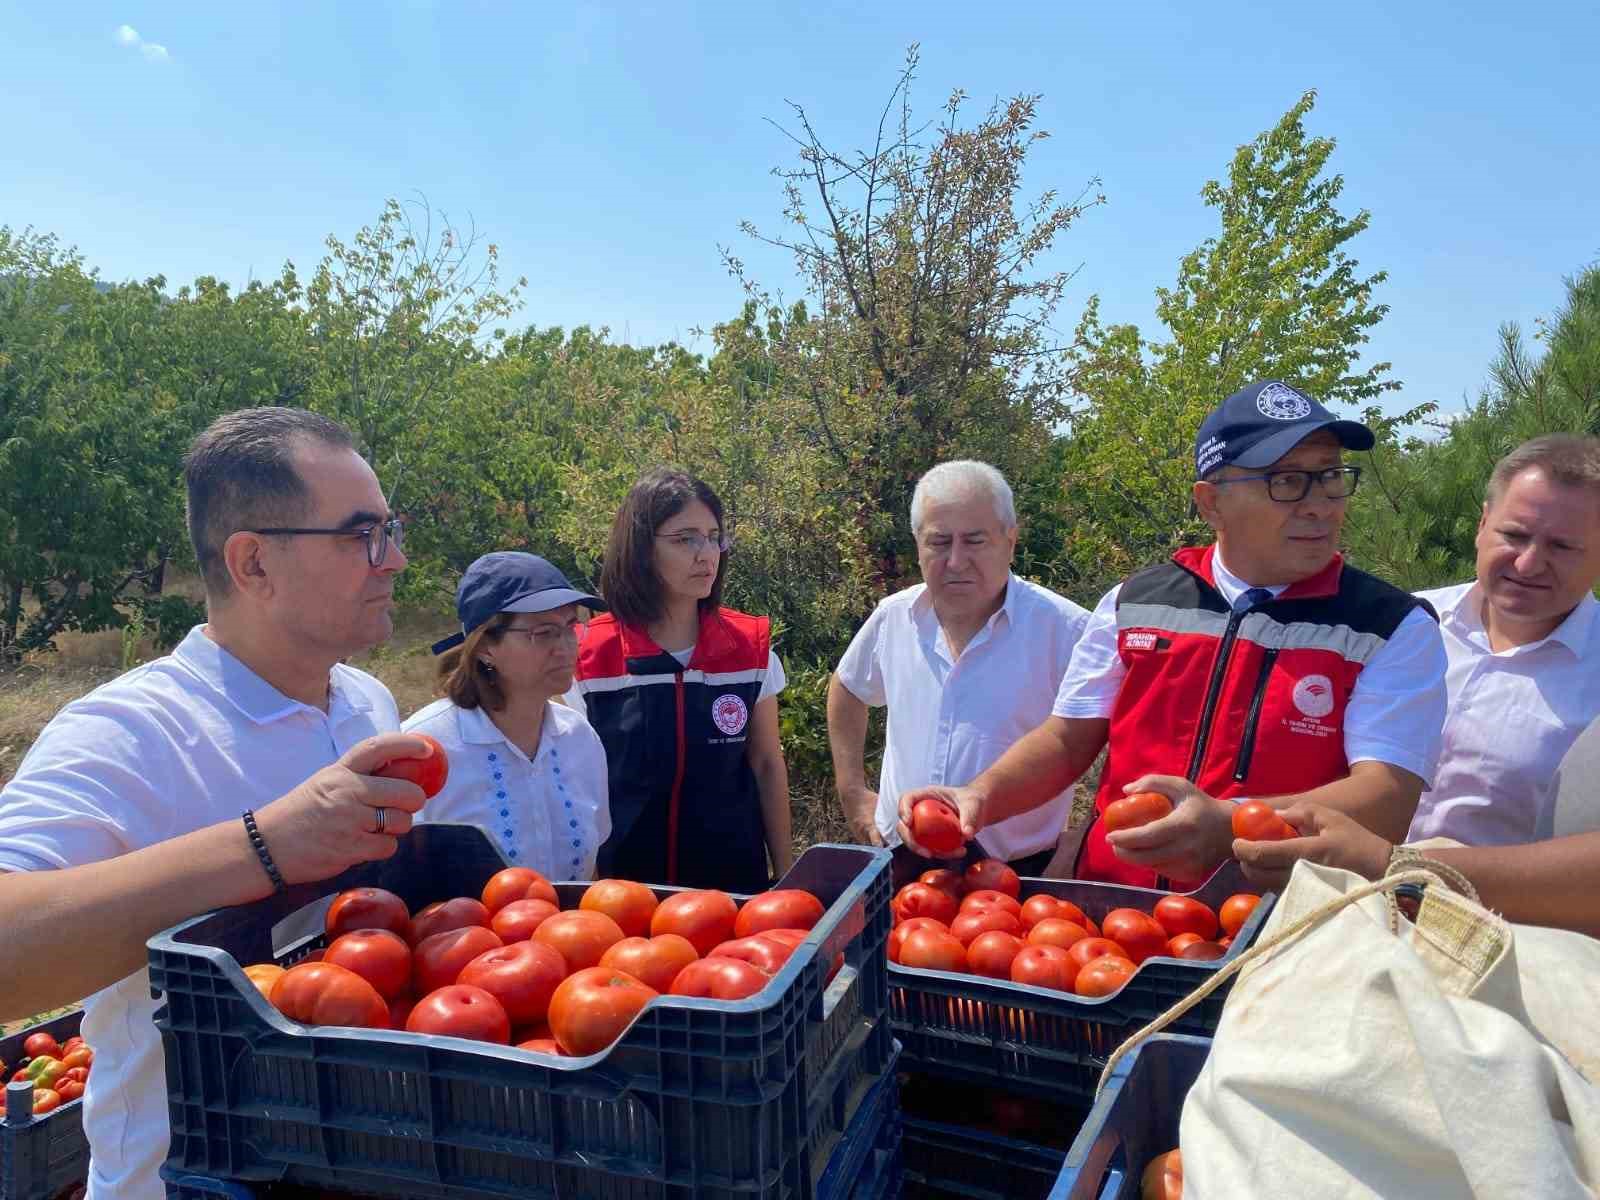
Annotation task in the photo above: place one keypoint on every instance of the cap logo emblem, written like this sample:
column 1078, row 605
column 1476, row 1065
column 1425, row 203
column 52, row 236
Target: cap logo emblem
column 1282, row 403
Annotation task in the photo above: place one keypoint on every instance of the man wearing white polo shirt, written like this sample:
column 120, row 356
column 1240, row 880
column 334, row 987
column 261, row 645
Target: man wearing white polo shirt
column 967, row 662
column 231, row 768
column 1523, row 641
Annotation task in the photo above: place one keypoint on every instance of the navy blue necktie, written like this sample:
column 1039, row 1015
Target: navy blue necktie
column 1250, row 598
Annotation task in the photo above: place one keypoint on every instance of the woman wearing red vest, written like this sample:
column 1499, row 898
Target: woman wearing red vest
column 683, row 693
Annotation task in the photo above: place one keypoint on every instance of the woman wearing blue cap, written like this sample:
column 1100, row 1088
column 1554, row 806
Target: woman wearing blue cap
column 529, row 772
column 683, row 692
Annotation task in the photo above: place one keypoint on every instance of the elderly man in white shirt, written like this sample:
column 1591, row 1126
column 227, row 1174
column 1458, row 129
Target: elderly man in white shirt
column 235, row 766
column 1523, row 641
column 967, row 662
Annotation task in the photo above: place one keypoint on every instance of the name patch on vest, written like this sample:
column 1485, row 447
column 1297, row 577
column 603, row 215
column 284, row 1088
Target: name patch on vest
column 1140, row 639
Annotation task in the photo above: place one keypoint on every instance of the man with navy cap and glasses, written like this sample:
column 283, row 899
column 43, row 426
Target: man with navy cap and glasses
column 1259, row 667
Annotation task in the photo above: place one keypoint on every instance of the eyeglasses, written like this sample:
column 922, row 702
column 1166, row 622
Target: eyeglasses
column 692, row 542
column 1290, row 487
column 377, row 536
column 548, row 637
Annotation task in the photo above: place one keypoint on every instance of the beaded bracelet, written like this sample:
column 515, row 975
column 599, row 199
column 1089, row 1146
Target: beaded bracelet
column 256, row 840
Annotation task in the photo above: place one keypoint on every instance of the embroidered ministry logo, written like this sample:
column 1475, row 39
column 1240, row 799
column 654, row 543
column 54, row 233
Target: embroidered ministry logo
column 729, row 714
column 1313, row 695
column 1282, row 403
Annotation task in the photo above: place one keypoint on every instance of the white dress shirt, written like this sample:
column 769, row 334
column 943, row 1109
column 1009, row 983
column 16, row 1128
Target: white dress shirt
column 1394, row 714
column 951, row 718
column 550, row 812
column 181, row 743
column 1512, row 716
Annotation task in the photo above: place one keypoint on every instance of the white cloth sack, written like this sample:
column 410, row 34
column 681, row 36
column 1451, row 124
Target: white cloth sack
column 1373, row 1057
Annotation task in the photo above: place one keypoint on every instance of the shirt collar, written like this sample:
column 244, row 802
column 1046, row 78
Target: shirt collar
column 231, row 679
column 1576, row 633
column 476, row 727
column 1230, row 585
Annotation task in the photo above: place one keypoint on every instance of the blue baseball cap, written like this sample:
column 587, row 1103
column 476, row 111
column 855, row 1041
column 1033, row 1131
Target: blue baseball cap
column 1259, row 424
column 510, row 581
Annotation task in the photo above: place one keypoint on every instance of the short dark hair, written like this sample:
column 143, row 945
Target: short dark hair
column 1569, row 459
column 466, row 681
column 240, row 474
column 628, row 580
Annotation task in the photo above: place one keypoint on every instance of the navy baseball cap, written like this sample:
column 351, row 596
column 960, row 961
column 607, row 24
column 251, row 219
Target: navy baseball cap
column 510, row 581
column 1259, row 424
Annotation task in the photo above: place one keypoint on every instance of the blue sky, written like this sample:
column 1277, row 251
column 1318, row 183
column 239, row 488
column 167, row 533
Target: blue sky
column 608, row 150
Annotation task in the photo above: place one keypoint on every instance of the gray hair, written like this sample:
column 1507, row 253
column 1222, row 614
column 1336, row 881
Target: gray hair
column 959, row 480
column 1569, row 459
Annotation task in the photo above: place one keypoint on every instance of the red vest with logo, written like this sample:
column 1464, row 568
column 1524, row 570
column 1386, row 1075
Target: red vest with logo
column 685, row 808
column 1240, row 704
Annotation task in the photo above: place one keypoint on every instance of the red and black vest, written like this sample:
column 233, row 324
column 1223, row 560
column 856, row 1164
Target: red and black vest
column 684, row 804
column 1239, row 703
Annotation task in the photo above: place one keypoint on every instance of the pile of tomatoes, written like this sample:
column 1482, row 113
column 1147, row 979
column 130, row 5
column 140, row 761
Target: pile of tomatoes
column 977, row 923
column 58, row 1071
column 511, row 967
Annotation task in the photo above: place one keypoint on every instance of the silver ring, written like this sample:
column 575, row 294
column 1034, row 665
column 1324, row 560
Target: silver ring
column 382, row 812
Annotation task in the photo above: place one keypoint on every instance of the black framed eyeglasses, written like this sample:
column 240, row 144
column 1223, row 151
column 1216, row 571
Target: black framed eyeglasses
column 1291, row 487
column 378, row 537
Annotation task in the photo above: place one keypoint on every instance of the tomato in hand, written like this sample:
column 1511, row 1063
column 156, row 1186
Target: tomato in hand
column 719, row 978
column 522, row 976
column 1236, row 910
column 428, row 773
column 1185, row 914
column 1130, row 812
column 1044, row 966
column 437, row 960
column 946, row 880
column 992, row 874
column 461, row 1011
column 517, row 883
column 924, row 900
column 973, row 921
column 592, row 1007
column 327, row 994
column 785, row 908
column 931, row 950
column 441, row 915
column 706, row 918
column 629, row 904
column 377, row 955
column 517, row 921
column 906, row 928
column 1103, row 976
column 937, row 827
column 655, row 961
column 992, row 953
column 1258, row 821
column 581, row 936
column 1137, row 933
column 1053, row 931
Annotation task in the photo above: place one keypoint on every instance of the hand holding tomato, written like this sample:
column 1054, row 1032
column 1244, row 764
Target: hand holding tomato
column 1258, row 821
column 1130, row 812
column 937, row 827
column 428, row 770
column 1188, row 843
column 1326, row 836
column 964, row 804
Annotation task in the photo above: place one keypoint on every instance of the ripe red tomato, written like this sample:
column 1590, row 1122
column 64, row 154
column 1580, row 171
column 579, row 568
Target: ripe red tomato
column 1044, row 906
column 706, row 918
column 368, row 908
column 580, row 935
column 1236, row 910
column 461, row 1011
column 543, row 1045
column 45, row 1100
column 522, row 976
column 1103, row 976
column 71, row 1044
column 592, row 1007
column 380, row 957
column 992, row 953
column 989, row 898
column 720, row 979
column 1095, row 947
column 1130, row 812
column 1178, row 944
column 327, row 994
column 1185, row 914
column 1203, row 951
column 759, row 950
column 69, row 1090
column 991, row 874
column 437, row 960
column 945, row 880
column 1044, row 966
column 937, row 827
column 77, row 1074
column 518, row 919
column 924, row 900
column 973, row 921
column 930, row 950
column 785, row 908
column 428, row 773
column 1258, row 821
column 629, row 904
column 906, row 928
column 448, row 914
column 655, row 961
column 1163, row 1177
column 41, row 1045
column 1053, row 931
column 1137, row 933
column 517, row 883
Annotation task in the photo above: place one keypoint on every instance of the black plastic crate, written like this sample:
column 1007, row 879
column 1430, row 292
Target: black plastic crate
column 1052, row 1043
column 42, row 1157
column 956, row 1160
column 1135, row 1119
column 698, row 1098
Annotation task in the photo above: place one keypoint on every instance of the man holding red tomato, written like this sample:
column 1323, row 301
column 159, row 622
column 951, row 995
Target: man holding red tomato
column 1260, row 666
column 125, row 816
